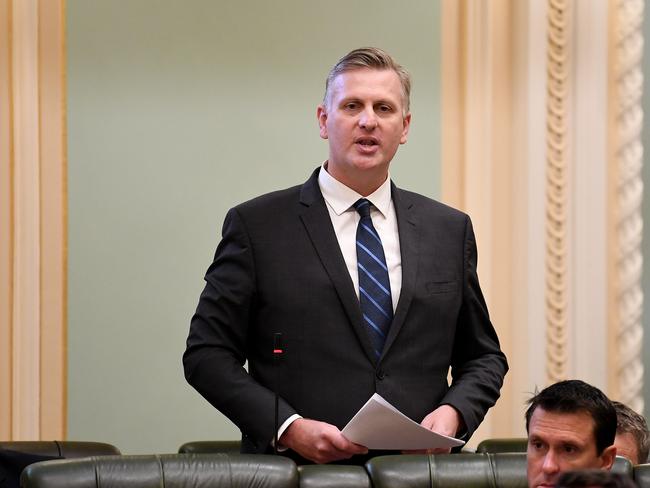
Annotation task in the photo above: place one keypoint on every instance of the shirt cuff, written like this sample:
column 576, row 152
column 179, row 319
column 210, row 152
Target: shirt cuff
column 284, row 427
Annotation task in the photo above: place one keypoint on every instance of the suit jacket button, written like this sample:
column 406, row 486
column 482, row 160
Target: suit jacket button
column 380, row 374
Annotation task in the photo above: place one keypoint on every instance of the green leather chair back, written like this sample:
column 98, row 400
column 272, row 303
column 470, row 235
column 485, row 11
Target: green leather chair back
column 210, row 447
column 169, row 470
column 506, row 444
column 642, row 475
column 333, row 476
column 65, row 449
column 449, row 471
column 623, row 465
column 479, row 470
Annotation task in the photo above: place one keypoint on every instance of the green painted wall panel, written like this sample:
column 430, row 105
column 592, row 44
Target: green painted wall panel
column 176, row 112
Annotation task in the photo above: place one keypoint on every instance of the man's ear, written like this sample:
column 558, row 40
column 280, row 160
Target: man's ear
column 321, row 114
column 405, row 129
column 607, row 457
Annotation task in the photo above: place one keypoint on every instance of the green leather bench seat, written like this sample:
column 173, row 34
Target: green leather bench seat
column 169, row 470
column 471, row 470
column 449, row 471
column 505, row 444
column 479, row 470
column 65, row 449
column 206, row 447
column 333, row 476
column 310, row 476
column 642, row 475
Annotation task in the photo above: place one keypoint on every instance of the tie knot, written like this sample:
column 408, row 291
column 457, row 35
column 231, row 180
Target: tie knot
column 363, row 207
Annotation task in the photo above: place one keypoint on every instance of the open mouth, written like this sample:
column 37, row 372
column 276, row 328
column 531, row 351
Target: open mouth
column 367, row 141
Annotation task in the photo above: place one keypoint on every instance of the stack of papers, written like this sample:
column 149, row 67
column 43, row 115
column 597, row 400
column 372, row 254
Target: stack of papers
column 379, row 425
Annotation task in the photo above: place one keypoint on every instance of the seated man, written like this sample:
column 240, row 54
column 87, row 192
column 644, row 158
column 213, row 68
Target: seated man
column 632, row 436
column 571, row 425
column 594, row 478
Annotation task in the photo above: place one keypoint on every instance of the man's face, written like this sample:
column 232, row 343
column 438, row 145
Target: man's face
column 559, row 442
column 364, row 123
column 626, row 446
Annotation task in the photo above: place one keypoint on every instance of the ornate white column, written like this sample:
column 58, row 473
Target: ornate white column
column 557, row 184
column 626, row 193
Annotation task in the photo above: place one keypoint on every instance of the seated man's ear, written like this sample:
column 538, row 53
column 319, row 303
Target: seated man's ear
column 607, row 457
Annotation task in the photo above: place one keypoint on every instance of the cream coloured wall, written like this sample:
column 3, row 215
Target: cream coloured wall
column 541, row 123
column 177, row 111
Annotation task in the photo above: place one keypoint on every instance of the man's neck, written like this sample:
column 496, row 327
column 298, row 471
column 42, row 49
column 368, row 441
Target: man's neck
column 364, row 183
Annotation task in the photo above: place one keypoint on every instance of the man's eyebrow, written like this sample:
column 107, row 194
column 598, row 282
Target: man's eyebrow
column 573, row 442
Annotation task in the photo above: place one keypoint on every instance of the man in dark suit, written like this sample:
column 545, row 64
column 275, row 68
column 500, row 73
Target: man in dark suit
column 373, row 288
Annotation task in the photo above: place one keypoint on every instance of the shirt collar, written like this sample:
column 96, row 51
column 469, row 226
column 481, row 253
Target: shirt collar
column 341, row 198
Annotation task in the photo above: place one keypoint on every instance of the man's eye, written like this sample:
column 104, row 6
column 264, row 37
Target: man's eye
column 350, row 106
column 570, row 449
column 385, row 108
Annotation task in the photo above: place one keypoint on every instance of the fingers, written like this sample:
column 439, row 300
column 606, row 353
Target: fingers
column 335, row 446
column 319, row 442
column 444, row 420
column 343, row 444
column 351, row 447
column 416, row 451
column 332, row 446
column 439, row 450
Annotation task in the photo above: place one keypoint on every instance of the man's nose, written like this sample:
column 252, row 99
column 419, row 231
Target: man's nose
column 550, row 465
column 368, row 119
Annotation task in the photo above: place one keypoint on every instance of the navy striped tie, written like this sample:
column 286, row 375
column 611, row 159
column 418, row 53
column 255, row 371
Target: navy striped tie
column 374, row 284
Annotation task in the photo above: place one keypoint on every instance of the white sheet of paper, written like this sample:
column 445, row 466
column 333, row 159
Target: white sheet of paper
column 379, row 425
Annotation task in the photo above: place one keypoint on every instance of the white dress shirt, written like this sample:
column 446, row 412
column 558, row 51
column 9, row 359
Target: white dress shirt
column 340, row 200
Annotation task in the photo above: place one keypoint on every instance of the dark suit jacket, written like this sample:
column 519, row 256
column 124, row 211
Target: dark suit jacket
column 279, row 268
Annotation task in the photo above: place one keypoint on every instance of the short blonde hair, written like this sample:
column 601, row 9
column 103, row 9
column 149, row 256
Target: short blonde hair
column 373, row 58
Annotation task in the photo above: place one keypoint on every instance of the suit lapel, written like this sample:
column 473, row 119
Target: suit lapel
column 318, row 224
column 409, row 241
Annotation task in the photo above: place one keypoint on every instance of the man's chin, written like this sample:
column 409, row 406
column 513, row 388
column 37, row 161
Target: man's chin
column 542, row 484
column 369, row 163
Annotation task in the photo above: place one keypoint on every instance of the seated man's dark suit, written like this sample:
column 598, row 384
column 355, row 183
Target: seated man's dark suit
column 279, row 268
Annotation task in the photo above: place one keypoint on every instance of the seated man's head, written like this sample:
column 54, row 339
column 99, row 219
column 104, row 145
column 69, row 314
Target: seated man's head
column 571, row 425
column 632, row 436
column 594, row 478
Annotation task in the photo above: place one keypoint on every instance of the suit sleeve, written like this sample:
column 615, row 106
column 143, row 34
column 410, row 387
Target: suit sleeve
column 478, row 365
column 219, row 333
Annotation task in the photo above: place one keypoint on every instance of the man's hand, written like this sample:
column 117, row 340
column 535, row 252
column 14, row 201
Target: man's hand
column 319, row 442
column 443, row 420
